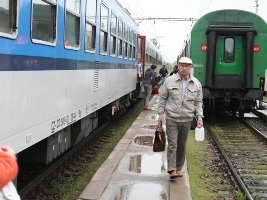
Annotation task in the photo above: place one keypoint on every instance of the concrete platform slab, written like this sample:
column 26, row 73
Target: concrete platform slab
column 133, row 171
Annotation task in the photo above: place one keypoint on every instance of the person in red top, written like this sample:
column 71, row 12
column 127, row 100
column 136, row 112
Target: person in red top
column 8, row 165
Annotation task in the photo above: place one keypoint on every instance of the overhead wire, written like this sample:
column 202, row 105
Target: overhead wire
column 208, row 6
column 198, row 15
column 152, row 25
column 203, row 2
column 132, row 12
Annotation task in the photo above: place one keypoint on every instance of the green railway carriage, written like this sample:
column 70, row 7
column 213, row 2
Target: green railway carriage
column 229, row 52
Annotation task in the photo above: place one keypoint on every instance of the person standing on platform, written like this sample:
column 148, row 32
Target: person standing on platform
column 180, row 98
column 163, row 73
column 174, row 70
column 148, row 82
column 139, row 71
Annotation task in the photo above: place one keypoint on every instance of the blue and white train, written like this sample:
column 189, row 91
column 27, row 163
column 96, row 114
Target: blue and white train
column 65, row 67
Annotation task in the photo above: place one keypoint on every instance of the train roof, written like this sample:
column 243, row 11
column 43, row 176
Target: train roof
column 126, row 11
column 228, row 16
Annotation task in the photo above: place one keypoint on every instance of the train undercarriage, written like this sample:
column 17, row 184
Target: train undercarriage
column 241, row 101
column 56, row 144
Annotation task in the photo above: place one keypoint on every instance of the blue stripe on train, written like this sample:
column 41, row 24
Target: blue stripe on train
column 35, row 63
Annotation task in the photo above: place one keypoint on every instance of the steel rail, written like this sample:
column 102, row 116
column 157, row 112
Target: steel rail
column 237, row 178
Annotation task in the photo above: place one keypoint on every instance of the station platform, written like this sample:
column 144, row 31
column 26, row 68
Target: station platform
column 133, row 171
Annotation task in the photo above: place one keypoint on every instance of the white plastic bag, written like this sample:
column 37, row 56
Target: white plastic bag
column 9, row 192
column 142, row 88
column 142, row 91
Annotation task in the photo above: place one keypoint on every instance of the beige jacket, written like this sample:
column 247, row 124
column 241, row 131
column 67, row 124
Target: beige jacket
column 170, row 99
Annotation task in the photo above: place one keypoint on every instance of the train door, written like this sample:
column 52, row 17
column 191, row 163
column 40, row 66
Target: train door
column 141, row 55
column 230, row 54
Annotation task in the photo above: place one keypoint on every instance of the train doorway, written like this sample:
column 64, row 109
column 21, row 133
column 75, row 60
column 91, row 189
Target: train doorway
column 230, row 54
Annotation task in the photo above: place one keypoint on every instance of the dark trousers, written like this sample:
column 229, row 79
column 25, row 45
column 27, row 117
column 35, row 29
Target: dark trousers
column 147, row 91
column 177, row 134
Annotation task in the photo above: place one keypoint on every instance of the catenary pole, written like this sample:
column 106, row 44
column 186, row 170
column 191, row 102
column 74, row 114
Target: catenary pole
column 257, row 5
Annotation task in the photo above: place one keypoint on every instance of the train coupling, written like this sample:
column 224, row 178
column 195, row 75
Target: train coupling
column 227, row 98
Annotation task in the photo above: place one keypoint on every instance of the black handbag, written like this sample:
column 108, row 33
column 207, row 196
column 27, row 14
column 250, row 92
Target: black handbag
column 159, row 139
column 193, row 123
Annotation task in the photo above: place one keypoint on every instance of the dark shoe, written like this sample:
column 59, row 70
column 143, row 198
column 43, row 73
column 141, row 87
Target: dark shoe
column 173, row 175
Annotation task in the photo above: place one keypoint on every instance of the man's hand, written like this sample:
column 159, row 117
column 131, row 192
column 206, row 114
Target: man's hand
column 199, row 123
column 160, row 120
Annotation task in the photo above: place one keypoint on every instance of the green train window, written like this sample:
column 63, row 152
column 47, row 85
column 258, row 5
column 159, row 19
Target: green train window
column 229, row 47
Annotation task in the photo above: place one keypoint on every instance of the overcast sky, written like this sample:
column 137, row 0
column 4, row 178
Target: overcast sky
column 170, row 34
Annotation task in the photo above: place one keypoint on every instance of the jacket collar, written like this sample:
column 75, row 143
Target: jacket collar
column 179, row 77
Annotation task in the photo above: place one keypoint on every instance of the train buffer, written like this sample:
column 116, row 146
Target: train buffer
column 134, row 171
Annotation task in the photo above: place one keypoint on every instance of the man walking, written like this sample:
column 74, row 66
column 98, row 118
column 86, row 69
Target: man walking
column 180, row 97
column 148, row 82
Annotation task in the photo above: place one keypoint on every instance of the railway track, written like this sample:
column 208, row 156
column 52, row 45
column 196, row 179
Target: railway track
column 67, row 167
column 243, row 146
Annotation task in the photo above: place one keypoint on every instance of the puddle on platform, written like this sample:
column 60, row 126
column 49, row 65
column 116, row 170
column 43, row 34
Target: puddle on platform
column 155, row 117
column 152, row 164
column 144, row 140
column 147, row 191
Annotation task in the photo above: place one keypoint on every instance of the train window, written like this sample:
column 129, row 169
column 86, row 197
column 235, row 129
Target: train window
column 134, row 52
column 8, row 17
column 229, row 47
column 147, row 59
column 130, row 35
column 130, row 51
column 104, row 30
column 125, row 50
column 90, row 37
column 152, row 59
column 113, row 23
column 126, row 33
column 103, row 42
column 120, row 48
column 112, row 46
column 43, row 21
column 72, row 24
column 126, row 38
column 139, row 47
column 130, row 44
column 120, row 35
column 113, row 36
column 120, row 29
column 91, row 11
column 134, row 45
column 90, row 33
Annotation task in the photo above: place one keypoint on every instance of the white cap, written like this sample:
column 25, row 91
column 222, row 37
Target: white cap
column 185, row 60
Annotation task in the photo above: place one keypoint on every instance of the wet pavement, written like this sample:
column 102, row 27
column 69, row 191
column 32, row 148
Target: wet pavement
column 133, row 171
